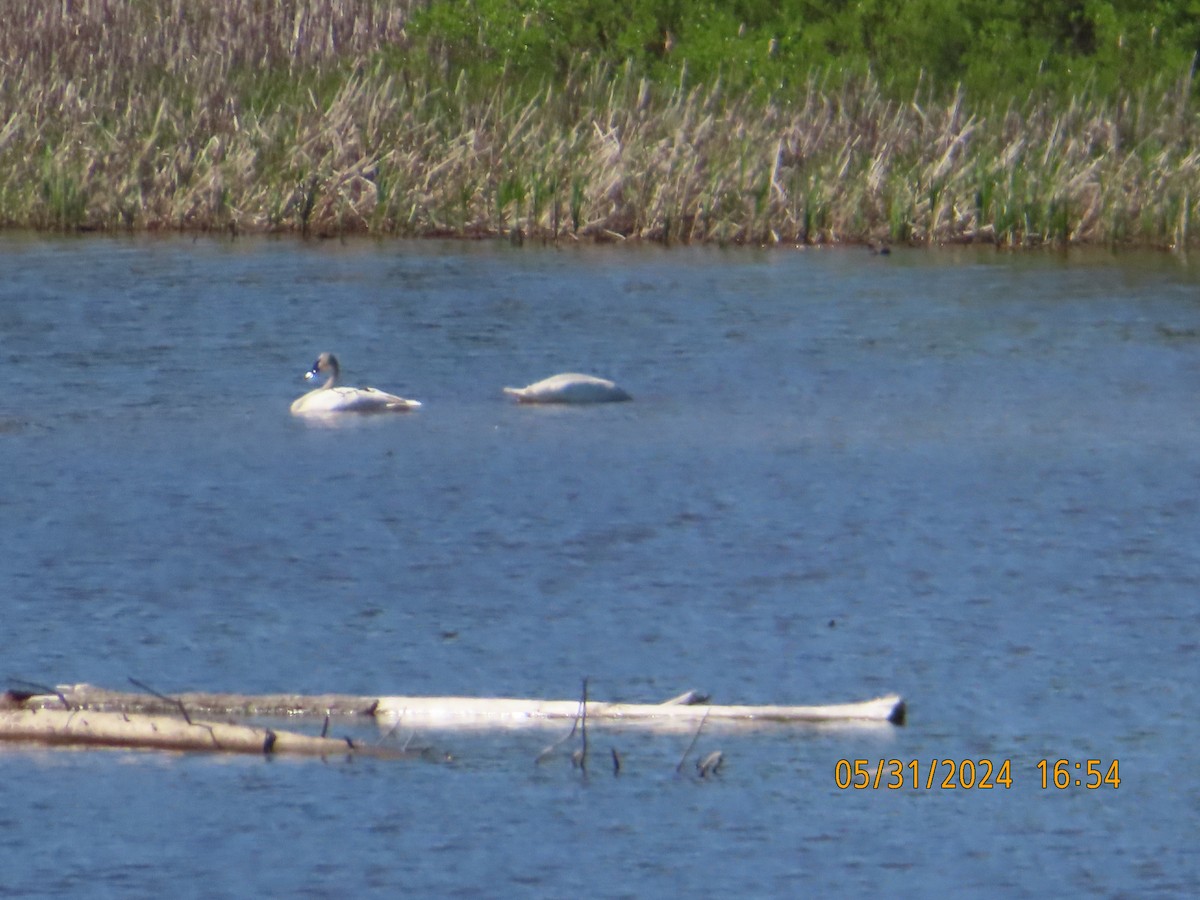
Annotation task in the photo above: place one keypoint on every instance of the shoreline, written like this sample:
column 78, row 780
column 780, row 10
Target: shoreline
column 569, row 240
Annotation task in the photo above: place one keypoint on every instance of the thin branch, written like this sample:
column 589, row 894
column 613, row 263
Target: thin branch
column 579, row 716
column 179, row 703
column 711, row 764
column 549, row 749
column 35, row 688
column 695, row 737
column 583, row 728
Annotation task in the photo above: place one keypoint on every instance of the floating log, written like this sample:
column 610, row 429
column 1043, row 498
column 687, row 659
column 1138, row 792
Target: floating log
column 460, row 712
column 91, row 728
column 449, row 712
column 87, row 696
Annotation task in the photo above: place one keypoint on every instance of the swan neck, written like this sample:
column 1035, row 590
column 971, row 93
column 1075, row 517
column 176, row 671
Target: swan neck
column 334, row 371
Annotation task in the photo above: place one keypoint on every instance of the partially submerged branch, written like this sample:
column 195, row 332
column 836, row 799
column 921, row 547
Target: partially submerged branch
column 695, row 737
column 80, row 728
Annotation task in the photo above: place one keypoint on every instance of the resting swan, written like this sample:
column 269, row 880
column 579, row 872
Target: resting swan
column 329, row 398
column 569, row 387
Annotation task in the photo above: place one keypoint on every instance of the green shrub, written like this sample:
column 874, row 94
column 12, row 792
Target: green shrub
column 992, row 47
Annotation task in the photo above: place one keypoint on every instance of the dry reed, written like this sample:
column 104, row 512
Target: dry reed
column 304, row 115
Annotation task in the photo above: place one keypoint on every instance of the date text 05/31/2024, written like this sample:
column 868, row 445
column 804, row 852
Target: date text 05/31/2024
column 971, row 774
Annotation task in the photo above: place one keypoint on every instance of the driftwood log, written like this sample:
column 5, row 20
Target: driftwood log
column 84, row 715
column 452, row 712
column 86, row 696
column 92, row 728
column 685, row 711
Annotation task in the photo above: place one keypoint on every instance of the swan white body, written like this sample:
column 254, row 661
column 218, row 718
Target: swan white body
column 569, row 387
column 330, row 398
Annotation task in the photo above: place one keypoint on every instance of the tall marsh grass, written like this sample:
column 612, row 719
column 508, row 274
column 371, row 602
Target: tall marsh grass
column 310, row 116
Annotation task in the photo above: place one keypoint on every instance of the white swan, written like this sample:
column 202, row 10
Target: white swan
column 569, row 387
column 329, row 398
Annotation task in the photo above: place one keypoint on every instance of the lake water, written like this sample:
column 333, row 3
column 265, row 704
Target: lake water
column 964, row 476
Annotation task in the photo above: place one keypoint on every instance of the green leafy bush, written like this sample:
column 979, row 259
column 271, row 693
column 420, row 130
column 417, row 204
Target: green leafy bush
column 991, row 47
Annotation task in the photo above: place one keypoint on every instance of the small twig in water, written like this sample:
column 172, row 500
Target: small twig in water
column 549, row 749
column 583, row 729
column 325, row 727
column 711, row 764
column 616, row 758
column 387, row 735
column 695, row 737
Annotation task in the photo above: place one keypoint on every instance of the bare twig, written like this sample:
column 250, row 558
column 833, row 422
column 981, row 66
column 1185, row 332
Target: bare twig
column 711, row 764
column 583, row 728
column 34, row 689
column 179, row 703
column 548, row 751
column 580, row 719
column 695, row 737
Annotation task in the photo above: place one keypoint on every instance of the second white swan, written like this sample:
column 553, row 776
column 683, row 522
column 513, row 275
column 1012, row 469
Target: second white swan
column 569, row 387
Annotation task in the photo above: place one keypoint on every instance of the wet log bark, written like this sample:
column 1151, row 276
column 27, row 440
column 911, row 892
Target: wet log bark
column 92, row 728
column 87, row 696
column 468, row 711
column 463, row 711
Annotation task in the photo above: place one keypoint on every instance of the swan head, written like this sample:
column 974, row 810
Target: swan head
column 326, row 365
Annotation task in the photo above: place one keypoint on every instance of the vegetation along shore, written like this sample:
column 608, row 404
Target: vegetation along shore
column 666, row 120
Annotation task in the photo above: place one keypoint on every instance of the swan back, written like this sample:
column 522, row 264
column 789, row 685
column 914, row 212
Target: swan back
column 349, row 399
column 569, row 387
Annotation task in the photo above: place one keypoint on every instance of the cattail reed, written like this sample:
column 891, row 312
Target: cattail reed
column 313, row 116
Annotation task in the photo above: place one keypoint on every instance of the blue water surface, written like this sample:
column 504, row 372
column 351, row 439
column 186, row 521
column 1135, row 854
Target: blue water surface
column 964, row 476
